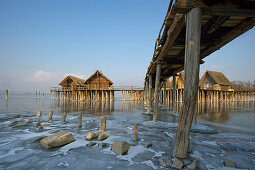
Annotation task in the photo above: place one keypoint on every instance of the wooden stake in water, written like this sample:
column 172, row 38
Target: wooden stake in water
column 39, row 113
column 135, row 133
column 43, row 95
column 80, row 120
column 63, row 117
column 102, row 124
column 36, row 92
column 6, row 94
column 50, row 115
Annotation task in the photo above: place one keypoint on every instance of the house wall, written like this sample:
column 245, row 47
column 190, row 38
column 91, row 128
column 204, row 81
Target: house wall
column 69, row 83
column 98, row 83
column 207, row 83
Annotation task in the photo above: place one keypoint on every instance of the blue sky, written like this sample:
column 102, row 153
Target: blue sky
column 43, row 41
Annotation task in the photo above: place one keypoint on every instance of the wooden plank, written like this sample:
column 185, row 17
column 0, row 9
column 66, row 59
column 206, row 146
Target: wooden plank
column 191, row 67
column 217, row 7
column 172, row 34
column 246, row 25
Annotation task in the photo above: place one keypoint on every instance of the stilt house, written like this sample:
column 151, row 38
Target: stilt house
column 179, row 82
column 98, row 81
column 72, row 82
column 95, row 82
column 213, row 80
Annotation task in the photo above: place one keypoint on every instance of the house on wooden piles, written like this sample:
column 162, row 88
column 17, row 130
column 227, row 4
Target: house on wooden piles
column 98, row 81
column 179, row 81
column 72, row 82
column 213, row 80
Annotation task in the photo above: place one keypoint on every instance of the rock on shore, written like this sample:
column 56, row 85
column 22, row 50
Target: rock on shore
column 59, row 139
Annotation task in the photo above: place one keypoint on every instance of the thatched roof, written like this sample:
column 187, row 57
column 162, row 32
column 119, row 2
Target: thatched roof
column 76, row 80
column 96, row 74
column 218, row 77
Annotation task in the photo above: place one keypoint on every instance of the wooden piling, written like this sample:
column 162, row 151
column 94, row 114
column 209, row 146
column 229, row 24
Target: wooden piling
column 50, row 115
column 39, row 113
column 135, row 133
column 80, row 120
column 102, row 126
column 63, row 118
column 156, row 97
column 149, row 95
column 191, row 67
column 6, row 94
column 164, row 94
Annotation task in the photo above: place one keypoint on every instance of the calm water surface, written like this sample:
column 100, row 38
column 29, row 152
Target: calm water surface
column 232, row 124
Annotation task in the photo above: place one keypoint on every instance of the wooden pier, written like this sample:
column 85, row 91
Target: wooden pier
column 192, row 30
column 93, row 94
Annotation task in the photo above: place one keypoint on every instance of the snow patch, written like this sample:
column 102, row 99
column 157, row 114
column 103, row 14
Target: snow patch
column 132, row 153
column 11, row 152
column 150, row 164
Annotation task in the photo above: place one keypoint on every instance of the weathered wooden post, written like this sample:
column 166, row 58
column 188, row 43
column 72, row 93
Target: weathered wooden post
column 63, row 118
column 174, row 93
column 156, row 97
column 135, row 133
column 50, row 115
column 191, row 68
column 39, row 113
column 164, row 95
column 6, row 94
column 149, row 95
column 102, row 126
column 146, row 91
column 80, row 120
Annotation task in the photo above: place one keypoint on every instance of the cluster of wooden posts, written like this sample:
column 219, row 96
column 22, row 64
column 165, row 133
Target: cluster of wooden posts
column 83, row 95
column 167, row 95
column 95, row 95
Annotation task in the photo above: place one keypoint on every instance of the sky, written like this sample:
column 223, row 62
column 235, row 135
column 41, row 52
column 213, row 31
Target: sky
column 45, row 40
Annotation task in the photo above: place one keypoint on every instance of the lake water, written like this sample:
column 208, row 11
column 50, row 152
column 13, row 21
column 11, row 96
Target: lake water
column 224, row 130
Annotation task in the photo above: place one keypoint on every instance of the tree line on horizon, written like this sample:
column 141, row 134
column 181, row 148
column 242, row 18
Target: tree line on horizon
column 243, row 85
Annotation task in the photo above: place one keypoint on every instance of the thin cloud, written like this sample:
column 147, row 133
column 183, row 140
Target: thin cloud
column 42, row 76
column 81, row 76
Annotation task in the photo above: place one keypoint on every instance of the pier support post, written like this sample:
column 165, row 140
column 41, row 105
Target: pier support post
column 174, row 93
column 156, row 97
column 149, row 95
column 164, row 95
column 191, row 70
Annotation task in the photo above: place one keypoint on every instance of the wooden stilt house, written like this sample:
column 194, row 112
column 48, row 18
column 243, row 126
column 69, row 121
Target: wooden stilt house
column 213, row 80
column 98, row 81
column 72, row 82
column 179, row 82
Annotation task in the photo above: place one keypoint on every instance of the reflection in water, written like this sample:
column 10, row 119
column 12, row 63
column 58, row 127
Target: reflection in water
column 93, row 107
column 216, row 111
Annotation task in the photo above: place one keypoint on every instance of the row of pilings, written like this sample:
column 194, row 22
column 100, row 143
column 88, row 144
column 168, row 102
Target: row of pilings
column 95, row 95
column 207, row 96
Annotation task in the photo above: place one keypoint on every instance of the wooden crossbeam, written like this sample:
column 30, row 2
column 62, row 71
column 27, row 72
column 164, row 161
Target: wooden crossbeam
column 246, row 25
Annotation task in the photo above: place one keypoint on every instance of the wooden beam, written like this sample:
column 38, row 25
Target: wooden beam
column 246, row 25
column 191, row 71
column 217, row 7
column 172, row 34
